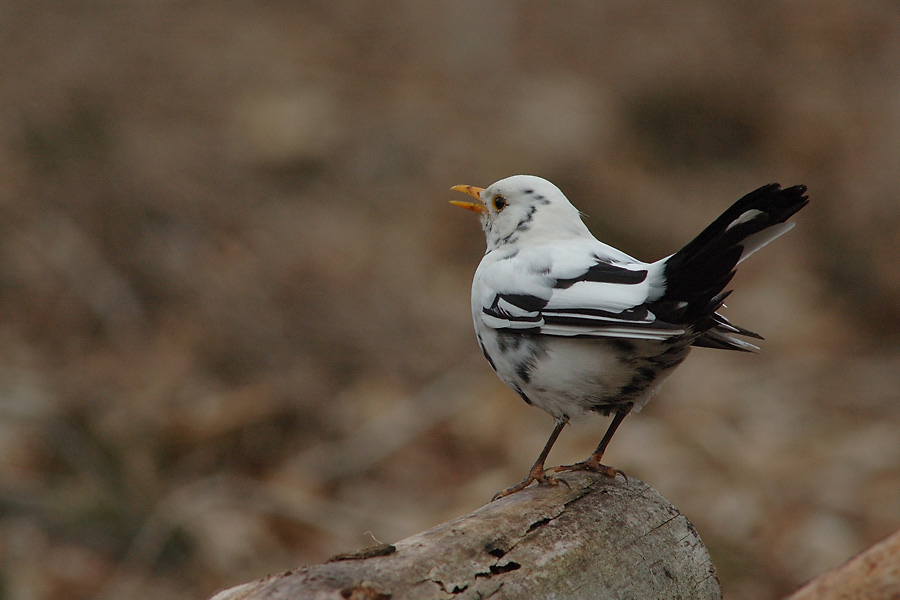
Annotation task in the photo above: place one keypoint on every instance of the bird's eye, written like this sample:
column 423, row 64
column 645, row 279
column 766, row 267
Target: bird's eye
column 499, row 202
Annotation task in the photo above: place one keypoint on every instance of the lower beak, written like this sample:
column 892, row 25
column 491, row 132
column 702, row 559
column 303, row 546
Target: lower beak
column 473, row 191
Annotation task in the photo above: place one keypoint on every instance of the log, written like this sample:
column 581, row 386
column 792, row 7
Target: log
column 874, row 574
column 593, row 538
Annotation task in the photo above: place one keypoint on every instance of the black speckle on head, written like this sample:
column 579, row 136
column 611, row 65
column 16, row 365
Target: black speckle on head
column 525, row 223
column 510, row 238
column 529, row 191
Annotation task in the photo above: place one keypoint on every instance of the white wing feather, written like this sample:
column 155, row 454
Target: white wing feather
column 507, row 286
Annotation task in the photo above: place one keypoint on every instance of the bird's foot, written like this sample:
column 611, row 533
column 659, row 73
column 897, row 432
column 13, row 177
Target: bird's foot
column 593, row 465
column 537, row 474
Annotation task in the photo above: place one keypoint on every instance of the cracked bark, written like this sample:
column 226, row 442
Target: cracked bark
column 599, row 538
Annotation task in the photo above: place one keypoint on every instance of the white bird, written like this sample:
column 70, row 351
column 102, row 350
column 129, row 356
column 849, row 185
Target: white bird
column 574, row 325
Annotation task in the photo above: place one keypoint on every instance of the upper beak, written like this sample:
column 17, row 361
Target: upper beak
column 473, row 191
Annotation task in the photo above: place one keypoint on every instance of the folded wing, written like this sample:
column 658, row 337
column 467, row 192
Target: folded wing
column 596, row 296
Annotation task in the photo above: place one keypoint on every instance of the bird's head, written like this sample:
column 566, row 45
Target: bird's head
column 522, row 207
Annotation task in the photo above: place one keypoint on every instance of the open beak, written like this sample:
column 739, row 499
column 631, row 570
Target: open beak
column 473, row 191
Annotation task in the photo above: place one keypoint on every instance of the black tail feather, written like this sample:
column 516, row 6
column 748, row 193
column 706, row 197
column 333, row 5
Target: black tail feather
column 778, row 205
column 697, row 274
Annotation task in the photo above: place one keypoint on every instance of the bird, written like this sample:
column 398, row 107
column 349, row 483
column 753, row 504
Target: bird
column 575, row 326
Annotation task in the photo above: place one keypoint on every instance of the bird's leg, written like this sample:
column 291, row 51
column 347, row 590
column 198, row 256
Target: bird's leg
column 593, row 461
column 537, row 470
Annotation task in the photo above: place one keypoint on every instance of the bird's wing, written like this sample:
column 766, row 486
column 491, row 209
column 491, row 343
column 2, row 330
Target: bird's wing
column 573, row 291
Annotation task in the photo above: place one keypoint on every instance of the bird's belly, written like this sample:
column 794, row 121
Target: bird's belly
column 566, row 377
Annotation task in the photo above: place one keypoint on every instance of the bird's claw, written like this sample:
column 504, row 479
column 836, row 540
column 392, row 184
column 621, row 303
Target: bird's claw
column 594, row 466
column 537, row 474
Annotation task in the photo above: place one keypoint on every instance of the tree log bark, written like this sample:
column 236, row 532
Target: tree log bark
column 871, row 575
column 593, row 538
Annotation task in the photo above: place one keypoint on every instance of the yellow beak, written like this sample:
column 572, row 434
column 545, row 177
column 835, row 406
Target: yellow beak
column 473, row 191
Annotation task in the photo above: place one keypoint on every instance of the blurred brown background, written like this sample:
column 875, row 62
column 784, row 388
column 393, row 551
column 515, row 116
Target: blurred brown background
column 234, row 302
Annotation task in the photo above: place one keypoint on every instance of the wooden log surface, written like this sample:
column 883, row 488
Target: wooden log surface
column 595, row 538
column 871, row 575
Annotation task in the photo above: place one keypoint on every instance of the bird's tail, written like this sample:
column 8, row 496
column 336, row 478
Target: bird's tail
column 697, row 274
